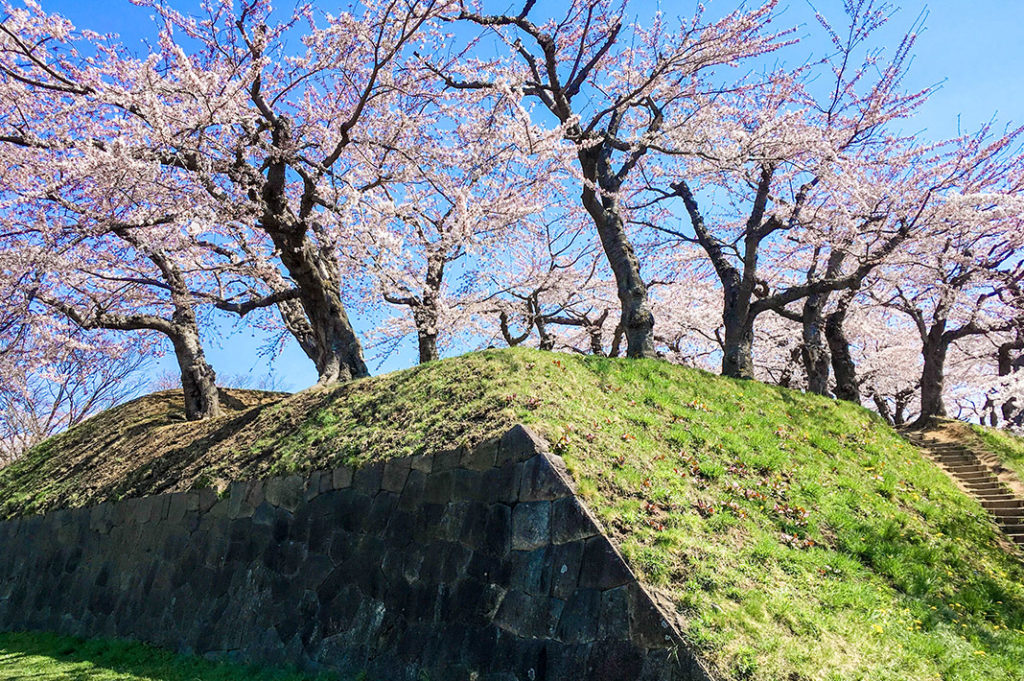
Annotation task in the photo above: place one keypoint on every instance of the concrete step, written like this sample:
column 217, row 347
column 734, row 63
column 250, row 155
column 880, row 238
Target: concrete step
column 957, row 460
column 997, row 496
column 997, row 514
column 976, row 477
column 1012, row 529
column 987, row 490
column 1003, row 504
column 963, row 469
column 946, row 456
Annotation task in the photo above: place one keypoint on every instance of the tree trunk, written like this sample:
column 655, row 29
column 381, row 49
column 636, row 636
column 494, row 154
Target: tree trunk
column 637, row 320
column 933, row 374
column 738, row 353
column 847, row 386
column 198, row 380
column 902, row 401
column 337, row 353
column 425, row 319
column 883, row 408
column 1007, row 364
column 814, row 352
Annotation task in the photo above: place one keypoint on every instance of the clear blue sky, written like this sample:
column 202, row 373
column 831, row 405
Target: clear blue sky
column 974, row 49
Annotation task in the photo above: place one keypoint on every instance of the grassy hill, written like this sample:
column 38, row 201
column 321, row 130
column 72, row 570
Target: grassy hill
column 799, row 538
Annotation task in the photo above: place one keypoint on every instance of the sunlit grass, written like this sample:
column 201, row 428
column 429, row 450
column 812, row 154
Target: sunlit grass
column 47, row 657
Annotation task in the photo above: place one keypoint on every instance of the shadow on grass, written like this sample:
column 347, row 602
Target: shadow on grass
column 49, row 657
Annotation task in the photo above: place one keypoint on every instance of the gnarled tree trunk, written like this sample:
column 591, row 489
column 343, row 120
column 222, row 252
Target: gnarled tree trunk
column 637, row 320
column 847, row 386
column 935, row 349
column 198, row 380
column 337, row 353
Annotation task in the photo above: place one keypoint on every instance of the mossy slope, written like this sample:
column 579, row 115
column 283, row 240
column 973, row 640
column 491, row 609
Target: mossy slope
column 798, row 537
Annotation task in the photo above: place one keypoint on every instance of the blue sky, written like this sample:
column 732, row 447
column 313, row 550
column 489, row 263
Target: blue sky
column 976, row 54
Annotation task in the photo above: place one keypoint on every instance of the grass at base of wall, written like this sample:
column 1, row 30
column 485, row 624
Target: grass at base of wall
column 49, row 657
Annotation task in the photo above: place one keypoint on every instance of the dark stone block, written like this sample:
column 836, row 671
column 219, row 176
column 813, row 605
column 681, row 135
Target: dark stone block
column 341, row 478
column 502, row 484
column 396, row 471
column 451, row 523
column 323, row 505
column 414, row 492
column 614, row 661
column 432, row 566
column 379, row 513
column 367, row 479
column 528, row 616
column 467, row 486
column 423, row 463
column 489, row 568
column 282, row 525
column 530, row 573
column 314, row 571
column 265, row 514
column 447, row 460
column 565, row 563
column 531, row 525
column 474, row 525
column 541, row 481
column 602, row 568
column 570, row 521
column 428, row 522
column 613, row 623
column 647, row 628
column 519, row 444
column 321, row 529
column 286, row 492
column 578, row 623
column 479, row 646
column 350, row 509
column 481, row 457
column 314, row 483
column 438, row 488
column 342, row 545
column 238, row 500
column 456, row 559
column 399, row 532
column 298, row 529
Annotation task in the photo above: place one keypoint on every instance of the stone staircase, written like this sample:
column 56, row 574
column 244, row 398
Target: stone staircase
column 980, row 480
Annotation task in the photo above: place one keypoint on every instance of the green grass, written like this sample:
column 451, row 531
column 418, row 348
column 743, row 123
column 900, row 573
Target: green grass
column 1007, row 446
column 799, row 538
column 48, row 657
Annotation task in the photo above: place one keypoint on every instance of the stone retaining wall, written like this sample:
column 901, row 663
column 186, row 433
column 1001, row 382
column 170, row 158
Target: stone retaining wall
column 477, row 564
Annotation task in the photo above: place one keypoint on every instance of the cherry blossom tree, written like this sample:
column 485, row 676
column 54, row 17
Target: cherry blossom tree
column 781, row 154
column 962, row 278
column 548, row 280
column 55, row 381
column 246, row 129
column 611, row 87
column 457, row 185
column 106, row 249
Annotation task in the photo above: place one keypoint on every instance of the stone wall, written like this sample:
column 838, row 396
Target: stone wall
column 477, row 564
